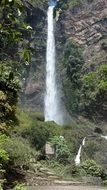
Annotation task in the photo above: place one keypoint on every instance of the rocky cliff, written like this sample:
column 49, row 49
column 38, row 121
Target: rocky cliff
column 33, row 90
column 85, row 24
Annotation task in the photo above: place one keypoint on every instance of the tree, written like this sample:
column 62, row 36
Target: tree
column 13, row 60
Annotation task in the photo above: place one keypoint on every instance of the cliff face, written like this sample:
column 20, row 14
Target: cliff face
column 33, row 90
column 85, row 24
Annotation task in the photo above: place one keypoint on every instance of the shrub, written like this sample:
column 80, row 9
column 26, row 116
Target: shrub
column 92, row 168
column 85, row 89
column 9, row 88
column 19, row 151
column 61, row 149
column 73, row 61
column 4, row 156
column 94, row 90
column 39, row 132
column 1, row 187
column 20, row 187
column 105, row 182
column 72, row 170
column 91, row 148
column 68, row 3
column 37, row 115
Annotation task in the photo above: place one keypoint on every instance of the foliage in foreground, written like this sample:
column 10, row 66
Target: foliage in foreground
column 15, row 153
column 4, row 159
column 20, row 187
column 19, row 151
column 1, row 187
column 14, row 60
column 91, row 168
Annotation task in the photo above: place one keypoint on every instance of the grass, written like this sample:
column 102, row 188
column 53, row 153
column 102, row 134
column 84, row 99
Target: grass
column 64, row 172
column 25, row 121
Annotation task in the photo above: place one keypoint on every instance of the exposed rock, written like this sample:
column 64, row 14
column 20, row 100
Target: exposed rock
column 86, row 24
column 98, row 130
column 33, row 92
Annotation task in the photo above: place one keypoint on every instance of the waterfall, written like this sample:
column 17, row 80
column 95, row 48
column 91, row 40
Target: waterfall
column 52, row 101
column 83, row 142
column 105, row 137
column 77, row 159
column 78, row 156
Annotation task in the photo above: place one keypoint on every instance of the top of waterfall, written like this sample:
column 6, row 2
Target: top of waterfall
column 52, row 3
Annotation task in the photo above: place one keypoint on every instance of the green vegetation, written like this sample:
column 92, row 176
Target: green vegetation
column 86, row 92
column 19, row 151
column 65, row 171
column 23, row 134
column 62, row 151
column 4, row 158
column 14, row 62
column 1, row 187
column 92, row 168
column 68, row 4
column 20, row 187
column 9, row 87
column 72, row 63
column 39, row 132
column 94, row 89
column 74, row 3
column 91, row 148
column 39, row 3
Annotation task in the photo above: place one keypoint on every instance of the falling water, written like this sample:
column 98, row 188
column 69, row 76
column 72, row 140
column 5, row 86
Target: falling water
column 52, row 111
column 78, row 156
column 83, row 142
column 105, row 137
column 77, row 159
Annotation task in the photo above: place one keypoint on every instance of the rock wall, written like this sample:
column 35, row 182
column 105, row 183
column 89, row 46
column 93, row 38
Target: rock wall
column 86, row 24
column 33, row 91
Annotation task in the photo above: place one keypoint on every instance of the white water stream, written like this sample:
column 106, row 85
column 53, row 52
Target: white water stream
column 78, row 156
column 52, row 101
column 105, row 137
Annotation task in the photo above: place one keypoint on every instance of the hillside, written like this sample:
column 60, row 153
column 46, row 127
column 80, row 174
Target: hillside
column 77, row 151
